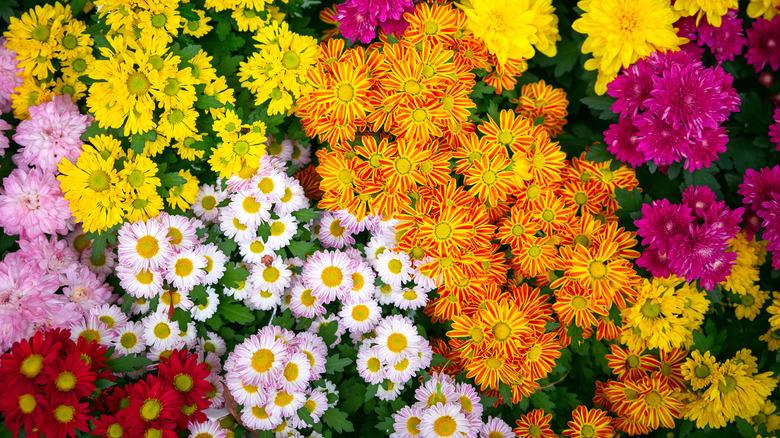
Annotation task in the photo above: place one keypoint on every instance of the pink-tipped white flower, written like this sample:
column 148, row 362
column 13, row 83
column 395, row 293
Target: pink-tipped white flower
column 389, row 390
column 111, row 315
column 293, row 199
column 260, row 358
column 282, row 232
column 328, row 274
column 233, row 227
column 257, row 417
column 406, row 422
column 394, row 268
column 303, row 303
column 360, row 317
column 144, row 245
column 296, row 373
column 285, row 402
column 409, row 298
column 206, row 205
column 369, row 365
column 362, row 283
column 186, row 270
column 215, row 262
column 444, row 421
column 181, row 232
column 397, row 337
column 130, row 338
column 160, row 332
column 274, row 277
column 333, row 233
column 253, row 250
column 269, row 186
column 315, row 350
column 496, row 428
column 209, row 428
column 244, row 392
column 143, row 283
column 204, row 311
column 249, row 209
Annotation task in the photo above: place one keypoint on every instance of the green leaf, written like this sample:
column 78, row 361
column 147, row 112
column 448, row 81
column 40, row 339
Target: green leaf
column 352, row 393
column 235, row 312
column 127, row 363
column 336, row 363
column 744, row 428
column 629, row 201
column 327, row 331
column 601, row 106
column 541, row 400
column 306, row 214
column 506, row 393
column 305, row 415
column 77, row 6
column 598, row 153
column 182, row 317
column 301, row 249
column 205, row 102
column 103, row 383
column 172, row 180
column 227, row 246
column 337, row 420
column 233, row 275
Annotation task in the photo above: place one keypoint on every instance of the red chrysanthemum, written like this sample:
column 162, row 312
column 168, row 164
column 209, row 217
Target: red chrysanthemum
column 153, row 403
column 188, row 377
column 70, row 376
column 62, row 417
column 21, row 409
column 28, row 358
column 94, row 355
column 108, row 426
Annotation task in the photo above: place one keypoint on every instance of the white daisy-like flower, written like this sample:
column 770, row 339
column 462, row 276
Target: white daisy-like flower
column 103, row 264
column 369, row 365
column 239, row 292
column 315, row 350
column 376, row 246
column 262, row 299
column 258, row 418
column 423, row 282
column 402, row 369
column 181, row 232
column 213, row 343
column 274, row 277
column 496, row 428
column 186, row 269
column 202, row 312
column 282, row 232
column 360, row 317
column 410, row 298
column 296, row 373
column 333, row 233
column 206, row 205
column 362, row 283
column 316, row 404
column 436, row 391
column 394, row 268
column 388, row 390
column 91, row 329
column 174, row 298
column 444, row 421
column 206, row 429
column 243, row 392
column 319, row 325
column 253, row 250
column 260, row 358
column 301, row 153
column 285, row 402
column 139, row 306
column 110, row 315
column 269, row 186
column 215, row 262
column 293, row 199
column 233, row 228
column 159, row 332
column 406, row 422
column 143, row 245
column 330, row 392
column 396, row 337
column 328, row 274
column 189, row 336
column 385, row 293
column 143, row 283
column 130, row 338
column 249, row 209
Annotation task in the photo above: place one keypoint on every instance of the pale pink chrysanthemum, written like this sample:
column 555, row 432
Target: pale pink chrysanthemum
column 52, row 132
column 31, row 204
column 51, row 255
column 4, row 142
column 10, row 76
column 85, row 289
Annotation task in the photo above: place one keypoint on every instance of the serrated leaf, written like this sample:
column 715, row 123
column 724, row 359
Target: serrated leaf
column 304, row 415
column 205, row 102
column 306, row 214
column 182, row 317
column 352, row 395
column 301, row 249
column 338, row 420
column 541, row 400
column 629, row 201
column 235, row 312
column 506, row 393
column 233, row 275
column 172, row 180
column 336, row 363
column 131, row 362
column 327, row 332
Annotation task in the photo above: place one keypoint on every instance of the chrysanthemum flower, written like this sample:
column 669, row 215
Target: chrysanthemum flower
column 762, row 42
column 31, row 204
column 620, row 32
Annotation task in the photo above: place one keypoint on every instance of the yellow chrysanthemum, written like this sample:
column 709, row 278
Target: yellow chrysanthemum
column 240, row 155
column 619, row 32
column 763, row 8
column 700, row 370
column 91, row 186
column 512, row 28
column 139, row 178
column 198, row 28
column 748, row 305
column 656, row 317
column 183, row 195
column 35, row 36
column 712, row 9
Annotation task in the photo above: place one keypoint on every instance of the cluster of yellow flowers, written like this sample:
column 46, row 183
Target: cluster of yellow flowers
column 43, row 36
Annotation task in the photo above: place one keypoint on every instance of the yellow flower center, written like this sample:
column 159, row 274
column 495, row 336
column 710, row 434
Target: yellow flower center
column 90, row 335
column 397, row 342
column 27, row 403
column 250, row 205
column 419, row 115
column 262, row 360
column 587, row 431
column 413, row 426
column 159, row 20
column 548, row 215
column 147, row 247
column 502, row 331
column 345, row 92
column 283, row 398
column 307, row 299
column 291, row 60
column 150, row 410
column 41, row 33
column 259, row 412
column 31, row 366
column 65, row 381
column 171, row 87
column 373, row 364
column 336, row 229
column 597, row 269
column 489, row 177
column 99, row 181
column 654, row 400
column 409, row 294
column 579, row 303
column 517, row 230
column 183, row 382
column 183, row 267
column 534, row 251
column 291, row 372
column 137, row 83
column 270, row 274
column 162, row 330
column 240, row 147
column 360, row 312
column 403, row 165
column 64, row 413
column 128, row 340
column 505, row 137
column 651, row 310
column 69, row 42
column 445, row 426
column 430, row 27
column 277, row 228
column 701, row 371
column 395, row 266
column 331, row 276
column 412, row 87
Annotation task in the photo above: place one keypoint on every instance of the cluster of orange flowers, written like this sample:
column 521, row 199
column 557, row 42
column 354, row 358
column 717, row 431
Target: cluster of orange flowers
column 647, row 392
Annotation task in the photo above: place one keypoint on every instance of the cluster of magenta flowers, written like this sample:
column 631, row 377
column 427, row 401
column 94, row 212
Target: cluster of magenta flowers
column 441, row 400
column 763, row 41
column 774, row 129
column 671, row 109
column 360, row 19
column 724, row 42
column 689, row 239
column 760, row 192
column 270, row 376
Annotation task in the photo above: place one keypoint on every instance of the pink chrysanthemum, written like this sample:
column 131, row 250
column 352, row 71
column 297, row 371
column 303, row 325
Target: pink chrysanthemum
column 774, row 129
column 759, row 185
column 10, row 76
column 631, row 89
column 725, row 42
column 661, row 220
column 358, row 19
column 4, row 142
column 85, row 289
column 52, row 132
column 621, row 140
column 49, row 254
column 763, row 41
column 31, row 204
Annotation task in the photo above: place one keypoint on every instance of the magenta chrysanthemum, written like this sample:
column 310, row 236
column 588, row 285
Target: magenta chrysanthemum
column 725, row 42
column 31, row 204
column 359, row 19
column 622, row 140
column 760, row 192
column 774, row 129
column 763, row 41
column 52, row 132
